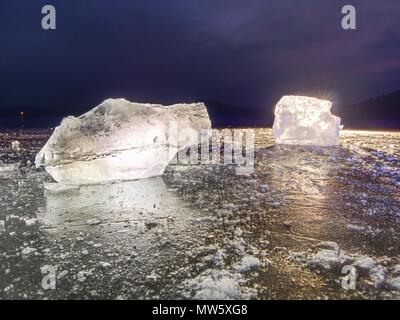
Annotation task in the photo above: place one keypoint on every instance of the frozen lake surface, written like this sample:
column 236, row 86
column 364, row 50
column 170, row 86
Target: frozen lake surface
column 284, row 232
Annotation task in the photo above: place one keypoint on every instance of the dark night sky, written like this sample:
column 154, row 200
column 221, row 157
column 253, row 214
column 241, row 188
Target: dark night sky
column 244, row 53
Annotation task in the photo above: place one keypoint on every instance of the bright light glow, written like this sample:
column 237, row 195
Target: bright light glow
column 305, row 121
column 121, row 140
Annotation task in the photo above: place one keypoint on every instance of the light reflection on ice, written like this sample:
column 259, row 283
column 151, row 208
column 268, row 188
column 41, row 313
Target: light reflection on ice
column 303, row 174
column 124, row 202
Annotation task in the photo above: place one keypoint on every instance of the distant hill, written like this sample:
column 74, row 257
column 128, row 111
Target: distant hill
column 378, row 113
column 224, row 115
column 381, row 112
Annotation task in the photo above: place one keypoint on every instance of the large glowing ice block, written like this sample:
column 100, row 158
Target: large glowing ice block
column 305, row 121
column 121, row 140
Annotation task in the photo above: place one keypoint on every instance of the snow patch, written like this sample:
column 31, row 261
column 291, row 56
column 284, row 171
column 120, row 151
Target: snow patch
column 248, row 263
column 218, row 285
column 15, row 146
column 395, row 283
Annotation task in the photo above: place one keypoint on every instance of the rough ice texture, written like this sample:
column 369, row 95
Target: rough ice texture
column 305, row 121
column 329, row 259
column 121, row 140
column 248, row 263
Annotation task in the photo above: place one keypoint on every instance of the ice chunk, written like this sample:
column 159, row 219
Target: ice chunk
column 121, row 140
column 305, row 121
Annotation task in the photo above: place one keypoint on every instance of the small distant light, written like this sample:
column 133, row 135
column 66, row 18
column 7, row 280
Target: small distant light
column 21, row 113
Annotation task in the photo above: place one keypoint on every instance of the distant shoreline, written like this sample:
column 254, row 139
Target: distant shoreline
column 13, row 123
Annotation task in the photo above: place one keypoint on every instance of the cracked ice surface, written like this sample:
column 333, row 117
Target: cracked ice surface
column 305, row 121
column 121, row 140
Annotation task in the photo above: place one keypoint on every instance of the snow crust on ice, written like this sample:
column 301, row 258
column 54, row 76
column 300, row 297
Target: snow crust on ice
column 395, row 283
column 122, row 140
column 305, row 121
column 8, row 167
column 329, row 259
column 149, row 198
column 2, row 226
column 248, row 263
column 15, row 146
column 218, row 285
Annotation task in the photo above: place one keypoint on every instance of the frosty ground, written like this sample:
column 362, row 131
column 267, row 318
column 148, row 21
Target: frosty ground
column 284, row 232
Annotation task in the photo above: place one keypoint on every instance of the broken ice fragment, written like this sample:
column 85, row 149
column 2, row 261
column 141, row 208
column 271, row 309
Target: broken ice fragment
column 121, row 140
column 305, row 121
column 16, row 146
column 105, row 264
column 365, row 264
column 329, row 259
